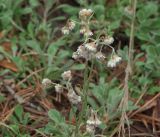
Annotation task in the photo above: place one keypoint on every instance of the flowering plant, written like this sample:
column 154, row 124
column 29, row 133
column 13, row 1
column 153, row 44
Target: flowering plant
column 89, row 50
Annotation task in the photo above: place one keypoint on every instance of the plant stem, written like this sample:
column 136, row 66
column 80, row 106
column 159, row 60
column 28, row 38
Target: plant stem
column 87, row 74
column 131, row 42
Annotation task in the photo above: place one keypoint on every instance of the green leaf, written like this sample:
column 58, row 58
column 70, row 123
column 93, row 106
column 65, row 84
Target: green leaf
column 34, row 3
column 34, row 45
column 69, row 9
column 78, row 67
column 26, row 10
column 19, row 112
column 49, row 4
column 114, row 25
column 146, row 11
column 154, row 89
column 99, row 11
column 114, row 98
column 53, row 47
column 55, row 116
column 2, row 98
column 26, row 118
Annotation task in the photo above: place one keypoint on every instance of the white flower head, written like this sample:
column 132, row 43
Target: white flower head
column 99, row 56
column 83, row 13
column 83, row 52
column 129, row 10
column 92, row 122
column 91, row 47
column 108, row 40
column 65, row 30
column 85, row 31
column 113, row 61
column 82, row 30
column 81, row 49
column 75, row 55
column 58, row 88
column 88, row 33
column 93, row 119
column 73, row 97
column 46, row 82
column 67, row 75
column 90, row 128
column 71, row 25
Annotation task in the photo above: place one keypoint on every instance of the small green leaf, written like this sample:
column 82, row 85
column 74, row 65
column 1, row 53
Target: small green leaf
column 34, row 3
column 19, row 112
column 69, row 9
column 2, row 98
column 34, row 45
column 55, row 116
column 78, row 67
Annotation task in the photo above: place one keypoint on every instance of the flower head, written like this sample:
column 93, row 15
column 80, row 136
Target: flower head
column 85, row 31
column 46, row 82
column 84, row 13
column 82, row 30
column 108, row 40
column 80, row 53
column 91, row 47
column 93, row 119
column 129, row 10
column 71, row 25
column 65, row 30
column 88, row 33
column 114, row 60
column 75, row 55
column 92, row 122
column 73, row 97
column 66, row 75
column 58, row 88
column 99, row 56
column 90, row 128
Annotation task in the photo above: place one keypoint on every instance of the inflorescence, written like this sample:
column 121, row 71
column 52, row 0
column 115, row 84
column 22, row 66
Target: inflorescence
column 91, row 48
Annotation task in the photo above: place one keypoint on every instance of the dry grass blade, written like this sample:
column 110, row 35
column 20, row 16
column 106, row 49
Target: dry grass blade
column 147, row 105
column 124, row 102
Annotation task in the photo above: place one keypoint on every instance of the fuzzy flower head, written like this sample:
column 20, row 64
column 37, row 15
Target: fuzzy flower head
column 73, row 97
column 91, row 47
column 46, row 82
column 75, row 55
column 85, row 31
column 81, row 53
column 65, row 30
column 90, row 128
column 93, row 119
column 129, row 10
column 71, row 25
column 99, row 56
column 108, row 40
column 85, row 52
column 58, row 88
column 88, row 33
column 67, row 75
column 114, row 60
column 92, row 122
column 85, row 13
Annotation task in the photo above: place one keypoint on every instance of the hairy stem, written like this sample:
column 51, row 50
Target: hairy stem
column 131, row 42
column 87, row 74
